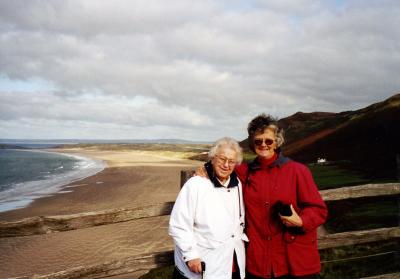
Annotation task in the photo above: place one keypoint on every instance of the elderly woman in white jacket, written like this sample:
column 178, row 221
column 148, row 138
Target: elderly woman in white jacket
column 207, row 220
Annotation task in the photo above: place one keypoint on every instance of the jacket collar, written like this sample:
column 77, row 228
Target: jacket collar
column 279, row 162
column 233, row 182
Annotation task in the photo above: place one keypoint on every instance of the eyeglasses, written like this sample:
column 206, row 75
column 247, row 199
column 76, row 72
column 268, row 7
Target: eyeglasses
column 259, row 142
column 223, row 160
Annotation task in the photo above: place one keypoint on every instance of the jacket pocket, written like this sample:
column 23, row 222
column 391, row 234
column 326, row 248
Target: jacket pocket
column 302, row 252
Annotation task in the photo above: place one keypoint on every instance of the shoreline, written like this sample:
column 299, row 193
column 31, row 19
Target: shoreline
column 84, row 166
column 131, row 179
column 123, row 171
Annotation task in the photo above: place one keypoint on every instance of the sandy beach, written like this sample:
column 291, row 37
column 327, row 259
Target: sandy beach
column 131, row 179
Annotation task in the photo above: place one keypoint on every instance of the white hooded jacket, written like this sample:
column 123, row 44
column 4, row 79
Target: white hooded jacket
column 207, row 222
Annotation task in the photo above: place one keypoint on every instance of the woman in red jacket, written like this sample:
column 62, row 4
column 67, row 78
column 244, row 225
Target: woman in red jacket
column 283, row 208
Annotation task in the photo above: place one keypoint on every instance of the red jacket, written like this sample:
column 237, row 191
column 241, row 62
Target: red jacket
column 271, row 248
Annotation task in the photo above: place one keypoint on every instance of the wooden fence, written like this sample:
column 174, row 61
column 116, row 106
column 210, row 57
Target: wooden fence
column 49, row 224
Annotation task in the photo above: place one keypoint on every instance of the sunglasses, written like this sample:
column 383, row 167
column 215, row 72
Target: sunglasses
column 259, row 142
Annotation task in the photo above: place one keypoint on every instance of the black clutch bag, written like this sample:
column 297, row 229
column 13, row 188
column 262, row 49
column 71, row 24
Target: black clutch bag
column 284, row 209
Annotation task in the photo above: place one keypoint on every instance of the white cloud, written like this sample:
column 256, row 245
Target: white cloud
column 190, row 69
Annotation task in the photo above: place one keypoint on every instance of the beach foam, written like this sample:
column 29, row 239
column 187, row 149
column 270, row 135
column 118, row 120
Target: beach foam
column 20, row 194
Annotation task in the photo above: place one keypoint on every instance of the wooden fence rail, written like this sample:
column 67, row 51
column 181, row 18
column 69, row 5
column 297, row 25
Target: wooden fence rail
column 384, row 276
column 357, row 237
column 164, row 258
column 131, row 264
column 49, row 224
column 361, row 191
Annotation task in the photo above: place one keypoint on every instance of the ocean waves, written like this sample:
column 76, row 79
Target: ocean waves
column 28, row 175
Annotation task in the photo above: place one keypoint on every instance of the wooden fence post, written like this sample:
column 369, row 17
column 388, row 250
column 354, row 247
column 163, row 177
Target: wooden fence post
column 398, row 178
column 185, row 175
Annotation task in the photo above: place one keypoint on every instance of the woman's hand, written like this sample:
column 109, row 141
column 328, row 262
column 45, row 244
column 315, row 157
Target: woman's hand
column 195, row 265
column 293, row 220
column 201, row 171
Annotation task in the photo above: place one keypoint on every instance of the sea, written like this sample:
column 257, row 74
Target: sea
column 31, row 173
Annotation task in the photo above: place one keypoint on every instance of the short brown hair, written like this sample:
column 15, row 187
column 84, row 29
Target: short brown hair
column 261, row 122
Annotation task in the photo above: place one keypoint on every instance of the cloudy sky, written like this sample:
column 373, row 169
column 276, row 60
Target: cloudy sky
column 195, row 70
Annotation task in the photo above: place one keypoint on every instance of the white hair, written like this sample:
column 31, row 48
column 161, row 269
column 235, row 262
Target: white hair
column 226, row 143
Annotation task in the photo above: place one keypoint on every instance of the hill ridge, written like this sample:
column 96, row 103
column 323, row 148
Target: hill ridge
column 367, row 138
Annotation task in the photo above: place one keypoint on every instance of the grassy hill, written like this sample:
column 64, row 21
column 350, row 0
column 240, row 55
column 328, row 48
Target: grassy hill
column 367, row 139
